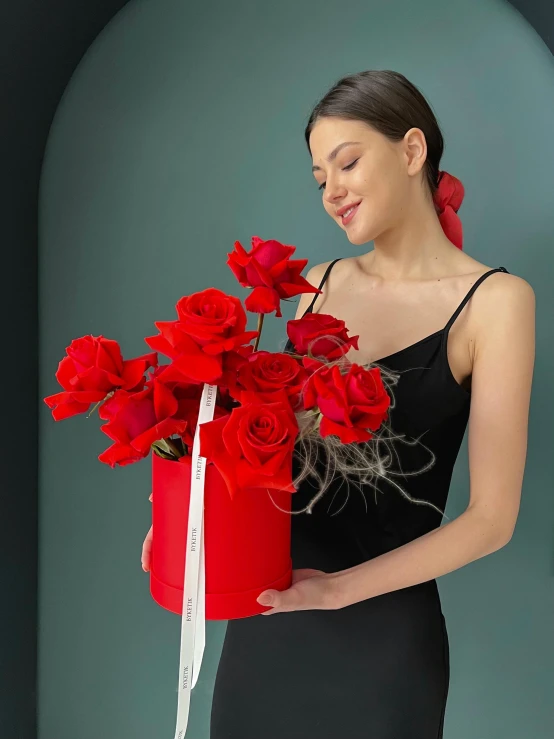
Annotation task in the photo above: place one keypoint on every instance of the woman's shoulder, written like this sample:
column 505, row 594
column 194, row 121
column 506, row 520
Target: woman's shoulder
column 501, row 288
column 317, row 271
column 314, row 276
column 501, row 292
column 341, row 268
column 504, row 281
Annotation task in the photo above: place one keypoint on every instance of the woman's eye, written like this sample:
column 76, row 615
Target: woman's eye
column 348, row 167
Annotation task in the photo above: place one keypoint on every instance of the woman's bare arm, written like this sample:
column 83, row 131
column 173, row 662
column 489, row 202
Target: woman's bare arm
column 500, row 399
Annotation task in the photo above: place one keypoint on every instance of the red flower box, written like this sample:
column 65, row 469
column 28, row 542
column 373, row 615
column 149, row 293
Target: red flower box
column 246, row 541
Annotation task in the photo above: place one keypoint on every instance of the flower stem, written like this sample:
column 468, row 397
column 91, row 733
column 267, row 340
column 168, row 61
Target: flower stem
column 260, row 324
column 94, row 407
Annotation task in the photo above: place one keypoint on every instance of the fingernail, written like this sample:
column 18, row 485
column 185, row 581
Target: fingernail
column 265, row 600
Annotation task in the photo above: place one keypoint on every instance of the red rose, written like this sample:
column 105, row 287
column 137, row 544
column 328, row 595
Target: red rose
column 188, row 396
column 253, row 446
column 136, row 420
column 210, row 324
column 311, row 365
column 321, row 335
column 93, row 368
column 350, row 404
column 268, row 377
column 270, row 271
column 231, row 363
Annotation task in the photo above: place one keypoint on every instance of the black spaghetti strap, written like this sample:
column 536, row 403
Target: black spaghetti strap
column 469, row 294
column 323, row 279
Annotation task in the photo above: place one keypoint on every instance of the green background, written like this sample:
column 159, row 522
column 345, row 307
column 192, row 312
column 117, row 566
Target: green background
column 180, row 132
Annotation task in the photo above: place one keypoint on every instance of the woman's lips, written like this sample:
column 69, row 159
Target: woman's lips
column 346, row 219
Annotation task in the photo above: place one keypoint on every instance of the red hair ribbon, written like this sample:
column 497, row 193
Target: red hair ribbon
column 448, row 199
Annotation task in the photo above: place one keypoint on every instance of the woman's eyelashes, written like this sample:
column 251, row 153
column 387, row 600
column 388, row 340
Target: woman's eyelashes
column 348, row 168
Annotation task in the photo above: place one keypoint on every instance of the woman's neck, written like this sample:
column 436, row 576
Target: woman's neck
column 414, row 249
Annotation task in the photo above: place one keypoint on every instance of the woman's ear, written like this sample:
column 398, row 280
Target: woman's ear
column 415, row 147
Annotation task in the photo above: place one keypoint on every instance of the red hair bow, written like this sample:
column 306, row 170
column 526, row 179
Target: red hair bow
column 448, row 199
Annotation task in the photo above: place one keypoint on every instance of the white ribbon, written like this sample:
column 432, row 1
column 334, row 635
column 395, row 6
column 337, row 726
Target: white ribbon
column 193, row 621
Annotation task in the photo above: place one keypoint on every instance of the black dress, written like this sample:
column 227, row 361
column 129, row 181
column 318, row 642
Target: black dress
column 377, row 669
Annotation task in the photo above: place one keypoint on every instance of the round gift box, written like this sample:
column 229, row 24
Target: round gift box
column 246, row 541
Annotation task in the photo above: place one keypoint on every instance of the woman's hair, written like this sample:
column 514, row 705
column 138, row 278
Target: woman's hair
column 389, row 103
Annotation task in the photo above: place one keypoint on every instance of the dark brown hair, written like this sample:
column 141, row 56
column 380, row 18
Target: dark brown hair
column 389, row 103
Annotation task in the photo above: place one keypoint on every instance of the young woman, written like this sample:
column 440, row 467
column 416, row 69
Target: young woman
column 358, row 646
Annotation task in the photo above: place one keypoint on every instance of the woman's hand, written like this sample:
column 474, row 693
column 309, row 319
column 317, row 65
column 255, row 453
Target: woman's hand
column 310, row 590
column 147, row 547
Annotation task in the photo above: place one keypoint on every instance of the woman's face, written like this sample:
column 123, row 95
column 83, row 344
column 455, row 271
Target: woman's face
column 374, row 172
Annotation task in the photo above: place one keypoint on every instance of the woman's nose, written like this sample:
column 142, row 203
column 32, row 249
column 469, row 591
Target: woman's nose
column 334, row 193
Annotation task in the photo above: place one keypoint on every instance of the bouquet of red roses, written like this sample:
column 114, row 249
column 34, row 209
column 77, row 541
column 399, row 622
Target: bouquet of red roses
column 222, row 419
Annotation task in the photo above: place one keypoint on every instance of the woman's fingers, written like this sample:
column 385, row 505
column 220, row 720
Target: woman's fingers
column 146, row 551
column 147, row 546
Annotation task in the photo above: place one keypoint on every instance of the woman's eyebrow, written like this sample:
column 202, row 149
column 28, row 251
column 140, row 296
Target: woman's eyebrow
column 335, row 151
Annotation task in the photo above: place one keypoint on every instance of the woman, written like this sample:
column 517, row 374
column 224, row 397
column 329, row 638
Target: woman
column 358, row 645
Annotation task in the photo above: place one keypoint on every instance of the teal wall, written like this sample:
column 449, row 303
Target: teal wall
column 181, row 131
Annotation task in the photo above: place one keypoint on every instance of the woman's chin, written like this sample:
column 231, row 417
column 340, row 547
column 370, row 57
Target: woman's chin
column 358, row 238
